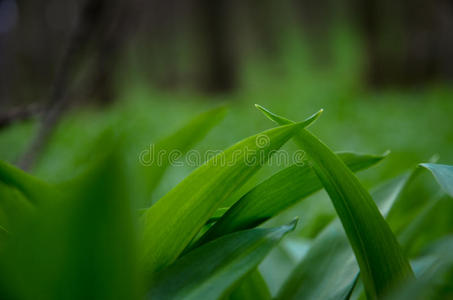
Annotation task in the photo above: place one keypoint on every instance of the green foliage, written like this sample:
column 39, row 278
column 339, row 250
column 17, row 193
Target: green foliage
column 84, row 239
column 276, row 194
column 174, row 220
column 210, row 269
column 182, row 140
column 381, row 260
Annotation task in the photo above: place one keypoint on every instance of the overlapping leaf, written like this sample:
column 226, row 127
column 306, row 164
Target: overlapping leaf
column 329, row 270
column 34, row 189
column 158, row 159
column 277, row 193
column 443, row 175
column 251, row 287
column 381, row 260
column 174, row 220
column 434, row 277
column 208, row 271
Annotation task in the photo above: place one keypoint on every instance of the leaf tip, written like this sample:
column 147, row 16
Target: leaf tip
column 293, row 224
column 273, row 117
column 308, row 121
column 386, row 153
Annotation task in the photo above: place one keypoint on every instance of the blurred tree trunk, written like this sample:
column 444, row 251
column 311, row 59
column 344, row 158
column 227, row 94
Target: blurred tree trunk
column 316, row 20
column 407, row 42
column 219, row 61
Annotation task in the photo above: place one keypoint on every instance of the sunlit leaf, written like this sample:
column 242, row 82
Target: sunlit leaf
column 176, row 218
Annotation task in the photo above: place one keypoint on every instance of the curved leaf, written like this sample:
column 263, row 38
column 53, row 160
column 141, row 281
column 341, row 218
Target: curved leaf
column 251, row 287
column 434, row 278
column 329, row 269
column 208, row 271
column 33, row 188
column 443, row 175
column 182, row 140
column 277, row 193
column 380, row 257
column 176, row 218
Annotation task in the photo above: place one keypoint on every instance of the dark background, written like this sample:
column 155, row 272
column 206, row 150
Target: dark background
column 382, row 70
column 83, row 47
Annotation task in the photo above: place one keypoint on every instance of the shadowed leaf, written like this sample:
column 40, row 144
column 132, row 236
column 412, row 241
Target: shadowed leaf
column 208, row 271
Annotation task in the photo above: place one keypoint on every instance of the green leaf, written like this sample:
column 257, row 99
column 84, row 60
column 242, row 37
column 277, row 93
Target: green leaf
column 251, row 287
column 14, row 208
column 434, row 220
column 217, row 215
column 422, row 215
column 34, row 189
column 329, row 269
column 80, row 246
column 277, row 193
column 175, row 219
column 157, row 161
column 208, row 271
column 434, row 277
column 443, row 175
column 380, row 257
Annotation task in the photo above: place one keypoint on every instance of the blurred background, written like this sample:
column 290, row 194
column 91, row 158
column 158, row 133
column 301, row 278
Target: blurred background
column 71, row 69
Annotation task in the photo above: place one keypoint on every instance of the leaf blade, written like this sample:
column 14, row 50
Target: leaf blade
column 182, row 212
column 331, row 250
column 182, row 141
column 380, row 257
column 443, row 174
column 209, row 270
column 34, row 189
column 277, row 193
column 252, row 286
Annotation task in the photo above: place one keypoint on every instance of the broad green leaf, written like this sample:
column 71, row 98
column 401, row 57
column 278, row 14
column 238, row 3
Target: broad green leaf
column 34, row 189
column 208, row 271
column 158, row 159
column 329, row 269
column 277, row 193
column 80, row 246
column 443, row 175
column 380, row 257
column 251, row 287
column 175, row 219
